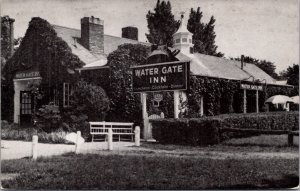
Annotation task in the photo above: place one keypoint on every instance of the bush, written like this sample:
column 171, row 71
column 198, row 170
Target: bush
column 206, row 130
column 48, row 117
column 14, row 132
column 201, row 131
column 265, row 121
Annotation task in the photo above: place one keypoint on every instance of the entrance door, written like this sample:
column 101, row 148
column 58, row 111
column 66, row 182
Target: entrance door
column 26, row 109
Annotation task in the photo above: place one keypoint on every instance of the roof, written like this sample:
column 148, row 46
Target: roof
column 211, row 66
column 111, row 43
column 183, row 27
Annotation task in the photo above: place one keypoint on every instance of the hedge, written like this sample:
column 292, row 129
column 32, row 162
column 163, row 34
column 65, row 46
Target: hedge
column 206, row 130
column 200, row 131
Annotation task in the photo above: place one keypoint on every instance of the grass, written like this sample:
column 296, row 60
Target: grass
column 146, row 171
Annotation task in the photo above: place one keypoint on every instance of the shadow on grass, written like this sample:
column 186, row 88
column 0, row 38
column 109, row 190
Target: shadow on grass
column 258, row 145
column 288, row 181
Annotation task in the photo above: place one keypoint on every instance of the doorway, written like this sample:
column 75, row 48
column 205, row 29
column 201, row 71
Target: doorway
column 26, row 107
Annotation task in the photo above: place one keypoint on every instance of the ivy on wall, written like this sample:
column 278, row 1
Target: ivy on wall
column 43, row 50
column 225, row 96
column 124, row 104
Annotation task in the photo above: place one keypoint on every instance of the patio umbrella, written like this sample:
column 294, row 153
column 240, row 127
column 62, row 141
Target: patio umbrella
column 279, row 99
column 295, row 99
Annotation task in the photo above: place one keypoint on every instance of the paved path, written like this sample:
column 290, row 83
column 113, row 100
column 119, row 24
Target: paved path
column 21, row 149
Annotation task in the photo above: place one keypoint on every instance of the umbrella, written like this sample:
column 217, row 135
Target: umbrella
column 279, row 99
column 295, row 99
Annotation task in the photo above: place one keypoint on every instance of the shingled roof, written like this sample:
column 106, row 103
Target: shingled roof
column 211, row 66
column 202, row 65
column 71, row 36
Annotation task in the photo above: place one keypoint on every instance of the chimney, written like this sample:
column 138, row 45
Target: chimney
column 242, row 62
column 92, row 34
column 7, row 31
column 130, row 32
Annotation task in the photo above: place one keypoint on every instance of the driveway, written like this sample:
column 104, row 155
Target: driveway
column 21, row 149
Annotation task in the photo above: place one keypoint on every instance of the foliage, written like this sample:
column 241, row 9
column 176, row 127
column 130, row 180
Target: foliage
column 263, row 121
column 161, row 24
column 291, row 74
column 89, row 99
column 5, row 37
column 41, row 49
column 267, row 66
column 201, row 131
column 203, row 34
column 124, row 104
column 218, row 95
column 206, row 130
column 225, row 96
column 14, row 132
column 48, row 118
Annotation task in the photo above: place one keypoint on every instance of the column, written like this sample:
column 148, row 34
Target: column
column 144, row 112
column 201, row 106
column 176, row 104
column 257, row 105
column 245, row 101
column 16, row 101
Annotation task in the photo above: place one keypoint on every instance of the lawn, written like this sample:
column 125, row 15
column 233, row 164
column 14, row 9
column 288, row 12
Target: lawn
column 149, row 171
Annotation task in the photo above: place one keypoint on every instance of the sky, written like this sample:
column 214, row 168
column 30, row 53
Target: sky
column 263, row 29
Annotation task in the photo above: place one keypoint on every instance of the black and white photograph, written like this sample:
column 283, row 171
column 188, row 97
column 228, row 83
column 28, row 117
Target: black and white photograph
column 149, row 94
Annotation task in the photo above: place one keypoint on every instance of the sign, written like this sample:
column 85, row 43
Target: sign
column 252, row 87
column 160, row 77
column 27, row 74
column 157, row 97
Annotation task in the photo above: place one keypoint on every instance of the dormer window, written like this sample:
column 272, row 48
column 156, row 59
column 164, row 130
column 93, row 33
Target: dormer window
column 184, row 40
column 178, row 40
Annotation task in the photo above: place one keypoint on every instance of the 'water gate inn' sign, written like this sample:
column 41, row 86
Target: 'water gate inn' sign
column 160, row 77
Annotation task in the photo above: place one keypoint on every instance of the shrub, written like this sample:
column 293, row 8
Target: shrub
column 265, row 121
column 14, row 132
column 48, row 117
column 206, row 130
column 201, row 131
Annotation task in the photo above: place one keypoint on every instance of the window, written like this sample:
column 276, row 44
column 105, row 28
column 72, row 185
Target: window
column 178, row 40
column 67, row 92
column 184, row 40
column 190, row 40
column 191, row 50
column 55, row 97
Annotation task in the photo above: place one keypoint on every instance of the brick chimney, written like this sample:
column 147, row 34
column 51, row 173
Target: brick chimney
column 130, row 32
column 7, row 31
column 92, row 34
column 242, row 62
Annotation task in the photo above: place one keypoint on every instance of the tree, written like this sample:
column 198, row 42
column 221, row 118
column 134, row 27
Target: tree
column 291, row 75
column 267, row 66
column 125, row 105
column 203, row 34
column 161, row 24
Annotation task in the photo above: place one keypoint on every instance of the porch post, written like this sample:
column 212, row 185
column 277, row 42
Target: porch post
column 176, row 104
column 257, row 106
column 145, row 115
column 16, row 102
column 201, row 106
column 245, row 101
